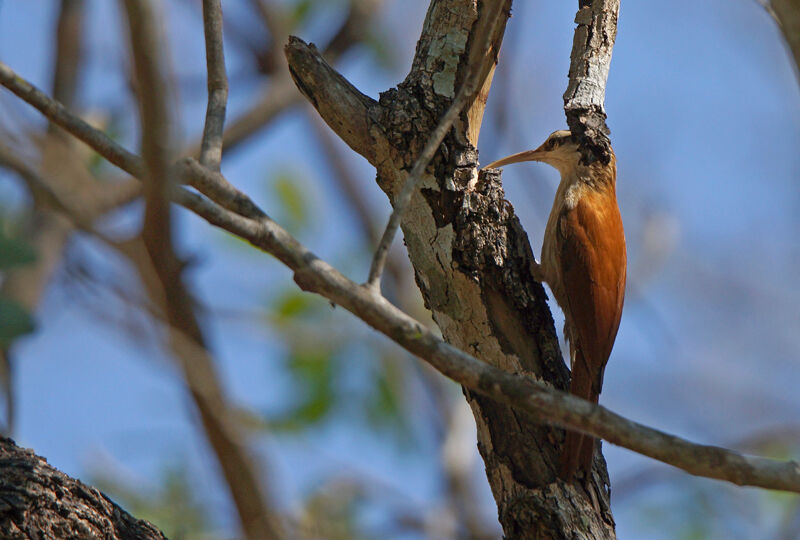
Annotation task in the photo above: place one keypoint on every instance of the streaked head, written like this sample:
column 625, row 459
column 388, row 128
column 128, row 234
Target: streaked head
column 559, row 151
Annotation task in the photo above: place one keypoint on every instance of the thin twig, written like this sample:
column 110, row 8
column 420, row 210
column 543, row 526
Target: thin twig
column 211, row 147
column 355, row 195
column 222, row 192
column 280, row 93
column 465, row 93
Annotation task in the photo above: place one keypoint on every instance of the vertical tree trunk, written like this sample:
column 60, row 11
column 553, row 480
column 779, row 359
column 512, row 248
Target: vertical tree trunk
column 471, row 257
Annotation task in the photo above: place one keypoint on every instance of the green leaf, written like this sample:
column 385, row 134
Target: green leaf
column 385, row 402
column 384, row 405
column 15, row 321
column 300, row 13
column 292, row 200
column 310, row 412
column 15, row 252
column 313, row 370
column 294, row 304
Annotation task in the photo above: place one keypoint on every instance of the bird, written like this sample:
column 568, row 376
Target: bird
column 584, row 262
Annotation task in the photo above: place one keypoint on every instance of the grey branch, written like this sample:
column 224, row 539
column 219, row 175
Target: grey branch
column 590, row 62
column 58, row 114
column 543, row 402
column 211, row 148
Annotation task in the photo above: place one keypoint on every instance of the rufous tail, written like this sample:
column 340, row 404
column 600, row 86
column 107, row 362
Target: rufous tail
column 578, row 451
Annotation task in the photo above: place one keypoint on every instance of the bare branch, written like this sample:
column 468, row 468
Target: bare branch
column 351, row 114
column 218, row 416
column 156, row 136
column 468, row 88
column 211, row 149
column 57, row 113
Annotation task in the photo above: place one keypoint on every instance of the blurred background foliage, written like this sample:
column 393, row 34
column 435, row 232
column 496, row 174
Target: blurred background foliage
column 361, row 441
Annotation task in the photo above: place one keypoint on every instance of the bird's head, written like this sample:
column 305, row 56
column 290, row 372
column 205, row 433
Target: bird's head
column 559, row 151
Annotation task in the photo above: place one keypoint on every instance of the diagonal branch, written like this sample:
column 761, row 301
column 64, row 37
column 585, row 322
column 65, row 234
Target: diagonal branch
column 351, row 114
column 543, row 402
column 58, row 114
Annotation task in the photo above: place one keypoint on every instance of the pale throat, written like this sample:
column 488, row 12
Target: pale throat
column 576, row 179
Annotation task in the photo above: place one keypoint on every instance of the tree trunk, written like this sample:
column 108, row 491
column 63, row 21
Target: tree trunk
column 471, row 257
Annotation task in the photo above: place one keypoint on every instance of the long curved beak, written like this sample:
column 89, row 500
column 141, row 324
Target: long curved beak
column 527, row 155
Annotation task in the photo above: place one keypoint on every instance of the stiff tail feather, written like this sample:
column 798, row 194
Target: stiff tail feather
column 578, row 451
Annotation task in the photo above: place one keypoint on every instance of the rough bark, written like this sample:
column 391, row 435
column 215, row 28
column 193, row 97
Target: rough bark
column 471, row 259
column 40, row 502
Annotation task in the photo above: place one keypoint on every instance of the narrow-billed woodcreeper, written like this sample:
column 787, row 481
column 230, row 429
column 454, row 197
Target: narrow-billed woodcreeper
column 583, row 261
